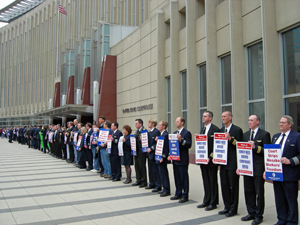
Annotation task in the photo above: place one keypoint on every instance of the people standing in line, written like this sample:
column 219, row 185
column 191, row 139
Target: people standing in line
column 254, row 186
column 127, row 158
column 209, row 171
column 140, row 158
column 163, row 163
column 180, row 168
column 228, row 176
column 154, row 178
column 286, row 192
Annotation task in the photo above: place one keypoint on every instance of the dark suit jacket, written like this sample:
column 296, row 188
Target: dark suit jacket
column 165, row 152
column 152, row 143
column 210, row 142
column 138, row 140
column 261, row 138
column 114, row 143
column 236, row 134
column 88, row 138
column 184, row 145
column 291, row 151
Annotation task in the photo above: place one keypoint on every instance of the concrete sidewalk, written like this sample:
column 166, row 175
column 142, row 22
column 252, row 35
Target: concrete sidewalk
column 37, row 189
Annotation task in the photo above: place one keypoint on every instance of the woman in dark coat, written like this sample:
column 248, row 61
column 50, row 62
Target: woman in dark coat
column 127, row 159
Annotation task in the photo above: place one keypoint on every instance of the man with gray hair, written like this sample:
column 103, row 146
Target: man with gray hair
column 286, row 192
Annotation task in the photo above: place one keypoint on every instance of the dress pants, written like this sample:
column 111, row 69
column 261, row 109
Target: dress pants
column 140, row 167
column 89, row 158
column 150, row 174
column 164, row 177
column 181, row 178
column 210, row 184
column 286, row 196
column 230, row 189
column 71, row 152
column 155, row 174
column 254, row 191
column 115, row 162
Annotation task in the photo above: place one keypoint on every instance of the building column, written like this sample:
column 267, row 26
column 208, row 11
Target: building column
column 238, row 65
column 191, row 64
column 212, row 61
column 174, row 63
column 63, row 121
column 50, row 120
column 78, row 117
column 160, row 68
column 272, row 70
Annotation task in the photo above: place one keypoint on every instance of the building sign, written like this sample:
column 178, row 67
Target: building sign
column 139, row 108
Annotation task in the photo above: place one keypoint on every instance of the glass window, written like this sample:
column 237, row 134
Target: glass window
column 168, row 89
column 256, row 84
column 184, row 96
column 202, row 93
column 226, row 79
column 291, row 65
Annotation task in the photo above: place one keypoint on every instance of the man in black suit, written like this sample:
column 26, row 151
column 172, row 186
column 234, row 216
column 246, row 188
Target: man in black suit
column 209, row 171
column 254, row 189
column 10, row 132
column 140, row 158
column 89, row 154
column 229, row 178
column 286, row 192
column 101, row 121
column 163, row 163
column 115, row 159
column 180, row 168
column 154, row 178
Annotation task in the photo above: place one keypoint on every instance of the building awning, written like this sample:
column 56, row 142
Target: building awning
column 17, row 9
column 67, row 111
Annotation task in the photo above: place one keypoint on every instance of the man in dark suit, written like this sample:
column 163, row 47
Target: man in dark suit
column 101, row 121
column 209, row 171
column 11, row 133
column 163, row 163
column 229, row 178
column 286, row 192
column 89, row 154
column 180, row 168
column 115, row 159
column 254, row 186
column 140, row 158
column 32, row 131
column 154, row 178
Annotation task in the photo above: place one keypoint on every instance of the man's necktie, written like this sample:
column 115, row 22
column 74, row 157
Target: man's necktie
column 226, row 130
column 281, row 141
column 203, row 131
column 252, row 136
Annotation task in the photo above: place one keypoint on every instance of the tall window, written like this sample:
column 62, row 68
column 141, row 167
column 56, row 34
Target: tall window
column 168, row 88
column 291, row 64
column 226, row 104
column 202, row 92
column 256, row 82
column 184, row 96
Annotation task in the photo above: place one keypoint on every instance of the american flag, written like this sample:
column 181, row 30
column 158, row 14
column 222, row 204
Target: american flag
column 61, row 9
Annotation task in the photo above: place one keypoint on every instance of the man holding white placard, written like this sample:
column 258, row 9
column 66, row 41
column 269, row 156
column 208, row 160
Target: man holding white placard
column 286, row 192
column 229, row 178
column 209, row 171
column 254, row 185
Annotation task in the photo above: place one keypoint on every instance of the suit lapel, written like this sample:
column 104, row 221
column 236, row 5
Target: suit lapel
column 287, row 143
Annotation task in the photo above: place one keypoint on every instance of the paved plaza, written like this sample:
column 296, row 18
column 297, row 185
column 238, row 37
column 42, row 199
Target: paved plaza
column 37, row 189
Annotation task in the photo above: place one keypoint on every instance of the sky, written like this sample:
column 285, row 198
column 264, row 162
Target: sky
column 4, row 3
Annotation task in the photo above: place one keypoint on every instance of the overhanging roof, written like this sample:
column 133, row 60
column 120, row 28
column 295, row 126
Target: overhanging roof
column 17, row 9
column 67, row 110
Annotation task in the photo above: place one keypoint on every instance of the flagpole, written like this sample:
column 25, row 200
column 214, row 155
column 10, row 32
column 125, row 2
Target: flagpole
column 57, row 47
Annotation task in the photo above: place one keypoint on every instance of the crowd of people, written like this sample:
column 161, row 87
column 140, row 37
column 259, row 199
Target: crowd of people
column 79, row 144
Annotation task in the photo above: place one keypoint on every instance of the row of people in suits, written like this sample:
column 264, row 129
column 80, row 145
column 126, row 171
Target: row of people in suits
column 286, row 192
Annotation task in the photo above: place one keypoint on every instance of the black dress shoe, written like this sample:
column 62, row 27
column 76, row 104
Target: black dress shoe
column 257, row 221
column 116, row 179
column 127, row 181
column 111, row 178
column 230, row 214
column 136, row 184
column 175, row 197
column 182, row 200
column 88, row 169
column 150, row 187
column 210, row 207
column 156, row 190
column 224, row 211
column 143, row 185
column 203, row 205
column 164, row 194
column 247, row 218
column 160, row 192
